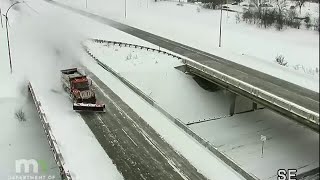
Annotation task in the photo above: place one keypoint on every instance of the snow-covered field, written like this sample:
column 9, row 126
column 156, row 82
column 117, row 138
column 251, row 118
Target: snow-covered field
column 245, row 44
column 289, row 145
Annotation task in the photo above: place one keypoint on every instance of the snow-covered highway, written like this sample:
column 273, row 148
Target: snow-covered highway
column 134, row 147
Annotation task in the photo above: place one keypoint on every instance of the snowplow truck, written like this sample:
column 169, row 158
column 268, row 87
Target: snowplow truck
column 80, row 90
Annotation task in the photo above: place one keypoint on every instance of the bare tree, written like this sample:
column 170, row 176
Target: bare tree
column 281, row 8
column 256, row 11
column 300, row 3
column 280, row 60
column 20, row 115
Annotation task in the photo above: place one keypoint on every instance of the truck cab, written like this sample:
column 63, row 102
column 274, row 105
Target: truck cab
column 80, row 90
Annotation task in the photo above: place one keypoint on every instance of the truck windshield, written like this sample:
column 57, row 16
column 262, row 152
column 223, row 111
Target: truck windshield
column 81, row 85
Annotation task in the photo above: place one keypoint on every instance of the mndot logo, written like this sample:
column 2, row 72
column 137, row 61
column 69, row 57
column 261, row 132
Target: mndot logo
column 31, row 169
column 24, row 166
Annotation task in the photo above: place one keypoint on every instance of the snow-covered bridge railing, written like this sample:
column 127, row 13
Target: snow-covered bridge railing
column 272, row 101
column 136, row 46
column 65, row 175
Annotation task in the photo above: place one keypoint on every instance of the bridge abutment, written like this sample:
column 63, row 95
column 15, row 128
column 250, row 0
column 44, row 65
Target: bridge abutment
column 240, row 104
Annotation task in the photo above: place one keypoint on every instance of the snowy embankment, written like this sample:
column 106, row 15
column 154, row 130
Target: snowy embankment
column 242, row 43
column 289, row 145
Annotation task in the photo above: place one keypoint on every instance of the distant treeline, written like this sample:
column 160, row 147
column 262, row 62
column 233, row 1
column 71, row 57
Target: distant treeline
column 230, row 1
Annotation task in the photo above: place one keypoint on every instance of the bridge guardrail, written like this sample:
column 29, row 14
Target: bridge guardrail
column 65, row 175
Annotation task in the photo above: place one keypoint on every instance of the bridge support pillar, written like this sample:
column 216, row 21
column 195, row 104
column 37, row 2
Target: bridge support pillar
column 184, row 68
column 240, row 104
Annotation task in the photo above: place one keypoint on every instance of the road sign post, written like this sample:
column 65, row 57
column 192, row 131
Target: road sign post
column 263, row 139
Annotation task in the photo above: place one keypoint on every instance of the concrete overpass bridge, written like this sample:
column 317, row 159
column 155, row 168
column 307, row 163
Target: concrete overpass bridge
column 253, row 89
column 288, row 99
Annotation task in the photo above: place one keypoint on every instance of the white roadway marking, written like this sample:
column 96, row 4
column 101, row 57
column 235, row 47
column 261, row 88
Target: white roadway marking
column 149, row 140
column 129, row 137
column 172, row 164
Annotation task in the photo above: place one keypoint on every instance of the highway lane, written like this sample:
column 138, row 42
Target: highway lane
column 134, row 147
column 286, row 90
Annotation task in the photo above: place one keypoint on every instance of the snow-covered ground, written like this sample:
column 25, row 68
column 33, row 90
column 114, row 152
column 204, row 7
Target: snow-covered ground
column 203, row 160
column 20, row 139
column 23, row 140
column 154, row 74
column 289, row 145
column 245, row 44
column 36, row 45
column 46, row 42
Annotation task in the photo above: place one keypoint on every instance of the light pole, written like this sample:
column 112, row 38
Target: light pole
column 1, row 18
column 6, row 16
column 125, row 9
column 86, row 3
column 220, row 25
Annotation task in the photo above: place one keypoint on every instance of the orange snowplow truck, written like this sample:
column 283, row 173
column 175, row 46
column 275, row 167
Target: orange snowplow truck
column 80, row 90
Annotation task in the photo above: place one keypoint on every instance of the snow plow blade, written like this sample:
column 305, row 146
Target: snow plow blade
column 89, row 107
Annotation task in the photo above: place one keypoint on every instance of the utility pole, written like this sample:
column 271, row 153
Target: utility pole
column 220, row 25
column 86, row 4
